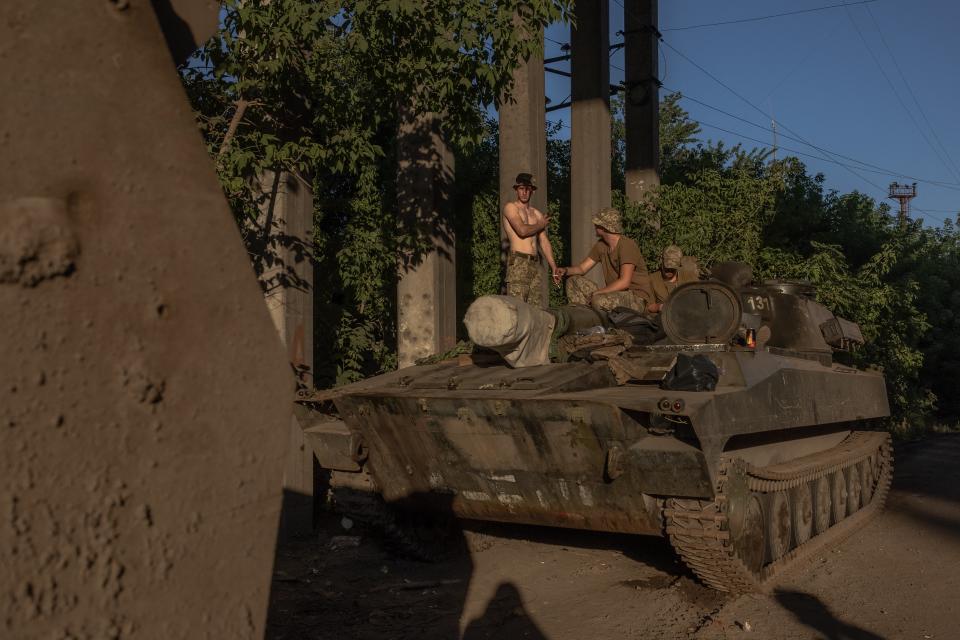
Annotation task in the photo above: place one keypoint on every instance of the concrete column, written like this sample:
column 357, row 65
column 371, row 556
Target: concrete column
column 642, row 103
column 144, row 396
column 426, row 291
column 523, row 136
column 287, row 224
column 590, row 122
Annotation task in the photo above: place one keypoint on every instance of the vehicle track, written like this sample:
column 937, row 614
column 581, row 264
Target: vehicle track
column 701, row 532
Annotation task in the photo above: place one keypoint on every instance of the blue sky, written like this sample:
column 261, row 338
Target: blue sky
column 821, row 75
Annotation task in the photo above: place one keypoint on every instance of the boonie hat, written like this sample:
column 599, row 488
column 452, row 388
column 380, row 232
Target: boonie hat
column 671, row 257
column 525, row 180
column 609, row 219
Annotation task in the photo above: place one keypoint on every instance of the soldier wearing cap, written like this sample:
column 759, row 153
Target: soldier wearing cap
column 526, row 230
column 670, row 275
column 627, row 282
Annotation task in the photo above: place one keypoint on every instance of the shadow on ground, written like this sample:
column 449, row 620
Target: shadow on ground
column 812, row 612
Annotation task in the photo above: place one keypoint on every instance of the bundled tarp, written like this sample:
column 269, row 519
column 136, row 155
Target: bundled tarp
column 516, row 330
column 692, row 373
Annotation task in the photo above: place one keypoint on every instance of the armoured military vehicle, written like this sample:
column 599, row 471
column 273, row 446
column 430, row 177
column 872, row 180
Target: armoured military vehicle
column 736, row 435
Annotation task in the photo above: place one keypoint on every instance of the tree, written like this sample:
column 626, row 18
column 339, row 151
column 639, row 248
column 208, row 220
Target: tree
column 314, row 88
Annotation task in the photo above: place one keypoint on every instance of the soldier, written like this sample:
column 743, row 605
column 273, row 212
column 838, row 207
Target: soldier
column 669, row 277
column 627, row 283
column 526, row 228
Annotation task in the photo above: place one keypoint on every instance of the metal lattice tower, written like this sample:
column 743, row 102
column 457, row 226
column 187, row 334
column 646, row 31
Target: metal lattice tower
column 903, row 193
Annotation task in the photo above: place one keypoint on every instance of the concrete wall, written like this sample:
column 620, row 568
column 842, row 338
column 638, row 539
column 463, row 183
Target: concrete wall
column 144, row 396
column 288, row 282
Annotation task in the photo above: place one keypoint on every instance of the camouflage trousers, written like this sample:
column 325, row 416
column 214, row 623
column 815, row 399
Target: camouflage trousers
column 580, row 288
column 525, row 278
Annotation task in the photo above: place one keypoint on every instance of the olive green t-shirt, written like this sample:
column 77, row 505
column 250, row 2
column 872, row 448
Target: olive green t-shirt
column 626, row 252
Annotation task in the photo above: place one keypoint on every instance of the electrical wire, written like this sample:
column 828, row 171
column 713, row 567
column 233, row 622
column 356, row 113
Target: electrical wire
column 896, row 93
column 765, row 145
column 562, row 45
column 865, row 165
column 825, row 153
column 768, row 17
column 906, row 83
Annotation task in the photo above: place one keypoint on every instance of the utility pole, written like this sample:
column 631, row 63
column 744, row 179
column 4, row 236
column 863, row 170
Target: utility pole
column 773, row 126
column 590, row 124
column 641, row 104
column 903, row 193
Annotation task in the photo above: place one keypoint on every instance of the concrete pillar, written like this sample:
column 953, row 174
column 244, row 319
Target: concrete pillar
column 590, row 123
column 287, row 231
column 426, row 291
column 642, row 103
column 523, row 136
column 144, row 395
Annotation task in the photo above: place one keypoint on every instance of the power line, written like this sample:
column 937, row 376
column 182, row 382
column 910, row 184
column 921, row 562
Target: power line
column 800, row 153
column 896, row 93
column 800, row 138
column 879, row 189
column 753, row 106
column 758, row 18
column 906, row 83
column 866, row 165
column 563, row 45
column 809, row 144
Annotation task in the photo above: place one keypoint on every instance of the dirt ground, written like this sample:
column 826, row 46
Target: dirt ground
column 898, row 577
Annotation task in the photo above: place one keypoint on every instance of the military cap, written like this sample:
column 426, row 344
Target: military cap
column 609, row 219
column 525, row 180
column 671, row 257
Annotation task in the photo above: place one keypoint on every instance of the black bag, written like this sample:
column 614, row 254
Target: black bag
column 692, row 373
column 643, row 327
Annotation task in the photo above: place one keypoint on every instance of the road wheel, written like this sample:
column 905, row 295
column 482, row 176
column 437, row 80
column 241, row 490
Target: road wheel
column 821, row 504
column 801, row 511
column 866, row 481
column 750, row 543
column 853, row 488
column 838, row 495
column 779, row 524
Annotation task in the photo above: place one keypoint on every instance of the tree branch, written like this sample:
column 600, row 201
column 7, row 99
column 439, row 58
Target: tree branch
column 242, row 105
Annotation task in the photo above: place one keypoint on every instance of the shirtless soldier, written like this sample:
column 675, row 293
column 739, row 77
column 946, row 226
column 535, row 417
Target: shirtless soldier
column 525, row 226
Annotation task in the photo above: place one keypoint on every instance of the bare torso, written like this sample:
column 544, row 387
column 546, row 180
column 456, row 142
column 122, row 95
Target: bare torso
column 527, row 215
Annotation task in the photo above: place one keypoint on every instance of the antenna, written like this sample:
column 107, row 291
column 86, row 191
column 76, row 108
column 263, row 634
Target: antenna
column 773, row 125
column 903, row 193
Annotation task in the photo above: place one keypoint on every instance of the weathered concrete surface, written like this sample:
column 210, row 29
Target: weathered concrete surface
column 590, row 180
column 287, row 226
column 143, row 394
column 523, row 140
column 641, row 107
column 427, row 290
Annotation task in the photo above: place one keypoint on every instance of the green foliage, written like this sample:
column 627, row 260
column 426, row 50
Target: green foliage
column 314, row 88
column 485, row 246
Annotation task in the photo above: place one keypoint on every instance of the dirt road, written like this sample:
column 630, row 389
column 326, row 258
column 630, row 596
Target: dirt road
column 899, row 577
